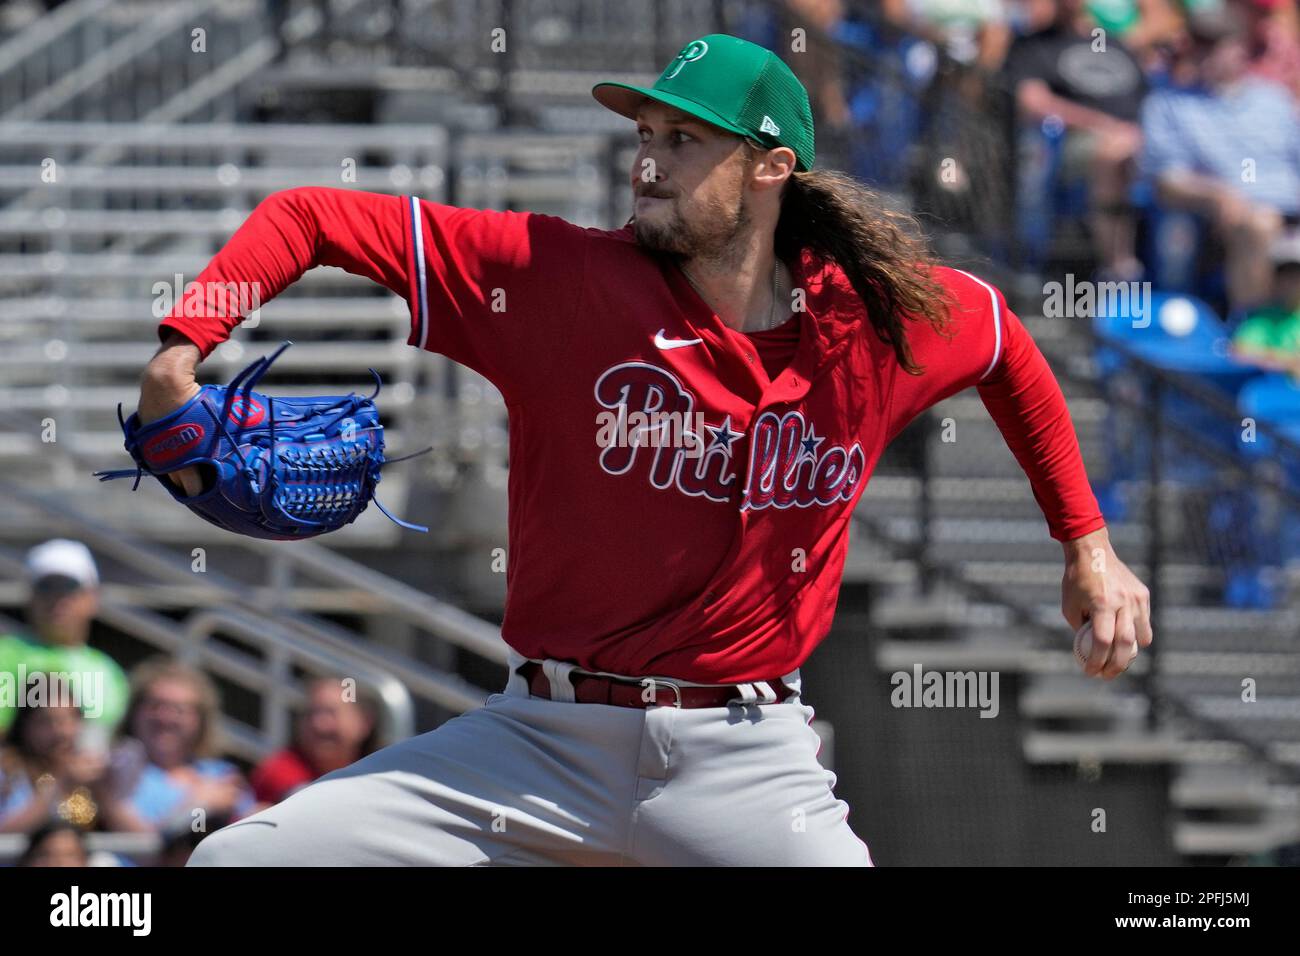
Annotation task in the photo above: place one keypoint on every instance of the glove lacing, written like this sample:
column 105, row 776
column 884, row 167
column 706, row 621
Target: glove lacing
column 297, row 462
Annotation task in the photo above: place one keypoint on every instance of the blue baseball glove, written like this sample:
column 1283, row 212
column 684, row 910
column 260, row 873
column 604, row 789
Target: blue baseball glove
column 277, row 468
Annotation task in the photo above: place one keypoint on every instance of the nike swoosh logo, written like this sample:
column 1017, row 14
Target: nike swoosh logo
column 666, row 343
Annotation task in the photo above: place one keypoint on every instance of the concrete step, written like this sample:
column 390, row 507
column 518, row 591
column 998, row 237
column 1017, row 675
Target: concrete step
column 1077, row 697
column 151, row 513
column 1197, row 838
column 1056, row 747
column 1232, row 786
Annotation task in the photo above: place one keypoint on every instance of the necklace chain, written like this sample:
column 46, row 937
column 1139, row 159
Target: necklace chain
column 774, row 317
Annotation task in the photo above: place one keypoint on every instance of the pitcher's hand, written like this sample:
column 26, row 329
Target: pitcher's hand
column 168, row 383
column 1099, row 587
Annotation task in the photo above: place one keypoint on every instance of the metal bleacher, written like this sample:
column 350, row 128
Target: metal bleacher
column 970, row 581
column 125, row 160
column 109, row 202
column 90, row 270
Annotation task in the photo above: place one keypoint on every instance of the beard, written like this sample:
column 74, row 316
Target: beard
column 713, row 234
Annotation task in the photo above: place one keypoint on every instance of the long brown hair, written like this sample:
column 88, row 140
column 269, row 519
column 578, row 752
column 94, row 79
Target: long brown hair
column 883, row 252
column 161, row 668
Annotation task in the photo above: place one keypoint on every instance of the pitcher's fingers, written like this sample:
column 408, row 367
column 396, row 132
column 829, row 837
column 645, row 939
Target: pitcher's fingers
column 187, row 480
column 1124, row 646
column 1103, row 635
column 1145, row 634
column 192, row 480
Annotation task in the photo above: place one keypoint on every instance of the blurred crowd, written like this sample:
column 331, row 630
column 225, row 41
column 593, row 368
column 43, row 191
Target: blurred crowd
column 1130, row 114
column 1164, row 130
column 86, row 747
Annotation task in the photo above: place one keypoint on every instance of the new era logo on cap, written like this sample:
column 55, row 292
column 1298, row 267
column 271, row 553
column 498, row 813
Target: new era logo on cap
column 769, row 127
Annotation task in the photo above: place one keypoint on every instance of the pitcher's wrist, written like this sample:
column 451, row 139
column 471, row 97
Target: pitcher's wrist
column 1083, row 546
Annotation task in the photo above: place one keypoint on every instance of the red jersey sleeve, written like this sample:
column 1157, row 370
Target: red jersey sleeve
column 991, row 350
column 288, row 233
column 496, row 291
column 963, row 356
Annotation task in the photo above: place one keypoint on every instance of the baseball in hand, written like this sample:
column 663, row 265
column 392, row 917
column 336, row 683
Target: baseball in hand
column 1083, row 645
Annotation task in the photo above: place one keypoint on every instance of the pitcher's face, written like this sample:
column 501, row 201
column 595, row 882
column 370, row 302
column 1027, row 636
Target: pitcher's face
column 689, row 183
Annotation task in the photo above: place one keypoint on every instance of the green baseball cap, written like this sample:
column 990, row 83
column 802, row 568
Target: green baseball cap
column 729, row 82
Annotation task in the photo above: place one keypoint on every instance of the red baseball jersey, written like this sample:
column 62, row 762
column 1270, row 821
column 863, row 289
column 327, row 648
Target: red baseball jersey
column 680, row 493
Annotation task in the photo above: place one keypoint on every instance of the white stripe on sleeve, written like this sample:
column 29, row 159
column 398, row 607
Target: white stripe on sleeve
column 997, row 321
column 417, row 235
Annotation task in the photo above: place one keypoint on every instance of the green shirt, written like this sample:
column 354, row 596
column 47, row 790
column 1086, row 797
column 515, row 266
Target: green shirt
column 1116, row 16
column 100, row 682
column 1270, row 329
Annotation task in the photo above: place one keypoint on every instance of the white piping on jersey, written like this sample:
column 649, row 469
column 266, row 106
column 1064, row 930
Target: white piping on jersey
column 417, row 234
column 997, row 321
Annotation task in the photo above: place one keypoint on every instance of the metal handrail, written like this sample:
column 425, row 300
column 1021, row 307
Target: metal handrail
column 46, row 30
column 167, row 136
column 283, row 648
column 952, row 572
column 202, row 180
column 98, row 67
column 442, row 620
column 186, row 643
column 272, row 679
column 319, row 356
column 415, row 607
column 82, row 266
column 203, row 90
column 1206, row 396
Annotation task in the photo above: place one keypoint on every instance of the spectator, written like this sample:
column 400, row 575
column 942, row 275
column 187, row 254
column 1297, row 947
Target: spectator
column 1095, row 92
column 58, row 843
column 1143, row 26
column 64, row 599
column 973, row 32
column 173, row 720
column 46, row 775
column 333, row 732
column 1270, row 336
column 1274, row 36
column 1227, row 147
column 820, row 66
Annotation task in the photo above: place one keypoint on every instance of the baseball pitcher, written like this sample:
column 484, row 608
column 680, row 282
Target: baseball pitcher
column 696, row 402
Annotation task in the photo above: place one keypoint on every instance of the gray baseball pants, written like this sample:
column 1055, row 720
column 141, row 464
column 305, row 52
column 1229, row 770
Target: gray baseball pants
column 525, row 780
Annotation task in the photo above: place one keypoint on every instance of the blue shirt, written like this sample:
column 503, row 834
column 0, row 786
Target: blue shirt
column 15, row 793
column 161, row 801
column 1195, row 130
